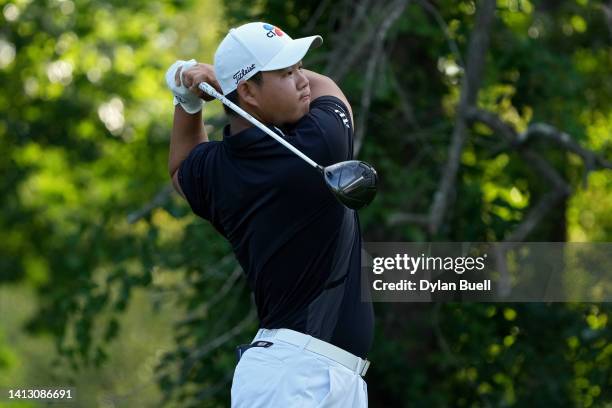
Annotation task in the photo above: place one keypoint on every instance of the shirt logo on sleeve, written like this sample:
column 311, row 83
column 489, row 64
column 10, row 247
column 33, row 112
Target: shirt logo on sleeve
column 343, row 117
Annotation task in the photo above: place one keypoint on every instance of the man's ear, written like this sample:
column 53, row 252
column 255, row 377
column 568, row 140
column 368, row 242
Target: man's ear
column 247, row 93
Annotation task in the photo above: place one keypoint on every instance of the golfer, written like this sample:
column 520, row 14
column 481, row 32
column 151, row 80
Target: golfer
column 299, row 247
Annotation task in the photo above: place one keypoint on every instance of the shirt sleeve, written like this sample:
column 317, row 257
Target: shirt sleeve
column 329, row 120
column 193, row 178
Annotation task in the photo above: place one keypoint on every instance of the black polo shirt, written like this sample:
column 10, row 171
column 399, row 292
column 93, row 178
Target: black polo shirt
column 299, row 247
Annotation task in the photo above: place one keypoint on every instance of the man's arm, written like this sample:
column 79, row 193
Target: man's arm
column 187, row 132
column 188, row 129
column 321, row 85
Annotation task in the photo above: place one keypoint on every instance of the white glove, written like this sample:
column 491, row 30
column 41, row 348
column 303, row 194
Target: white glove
column 190, row 102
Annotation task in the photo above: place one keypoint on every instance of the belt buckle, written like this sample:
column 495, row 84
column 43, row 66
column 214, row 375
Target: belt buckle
column 242, row 348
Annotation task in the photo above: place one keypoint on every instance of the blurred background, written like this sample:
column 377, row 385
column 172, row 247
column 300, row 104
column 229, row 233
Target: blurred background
column 486, row 120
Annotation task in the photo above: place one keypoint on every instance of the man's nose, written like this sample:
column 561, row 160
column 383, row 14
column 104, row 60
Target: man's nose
column 302, row 79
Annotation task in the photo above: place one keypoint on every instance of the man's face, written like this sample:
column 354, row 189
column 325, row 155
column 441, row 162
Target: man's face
column 283, row 96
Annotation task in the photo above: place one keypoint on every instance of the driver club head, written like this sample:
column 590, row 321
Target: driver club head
column 353, row 182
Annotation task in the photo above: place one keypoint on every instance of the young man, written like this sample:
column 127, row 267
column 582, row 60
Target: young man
column 299, row 247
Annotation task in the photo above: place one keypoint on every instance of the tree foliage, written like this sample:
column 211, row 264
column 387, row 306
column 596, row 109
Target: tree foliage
column 88, row 215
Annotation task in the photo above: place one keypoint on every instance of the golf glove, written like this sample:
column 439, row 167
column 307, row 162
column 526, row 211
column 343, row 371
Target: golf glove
column 190, row 102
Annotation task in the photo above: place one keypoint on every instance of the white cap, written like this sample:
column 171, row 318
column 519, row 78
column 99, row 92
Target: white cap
column 255, row 47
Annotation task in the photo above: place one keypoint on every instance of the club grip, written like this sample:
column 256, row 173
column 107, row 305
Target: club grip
column 206, row 87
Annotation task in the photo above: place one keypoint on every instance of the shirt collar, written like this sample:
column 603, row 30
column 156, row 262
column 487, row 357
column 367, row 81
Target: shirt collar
column 242, row 139
column 249, row 136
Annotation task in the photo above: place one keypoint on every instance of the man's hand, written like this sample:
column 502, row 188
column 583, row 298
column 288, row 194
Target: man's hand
column 194, row 76
column 183, row 78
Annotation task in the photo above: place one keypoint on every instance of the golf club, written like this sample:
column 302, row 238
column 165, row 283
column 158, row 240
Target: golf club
column 353, row 182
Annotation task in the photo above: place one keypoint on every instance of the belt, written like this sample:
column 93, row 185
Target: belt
column 318, row 346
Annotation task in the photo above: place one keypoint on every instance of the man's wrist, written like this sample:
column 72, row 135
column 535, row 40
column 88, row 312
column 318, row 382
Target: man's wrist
column 190, row 107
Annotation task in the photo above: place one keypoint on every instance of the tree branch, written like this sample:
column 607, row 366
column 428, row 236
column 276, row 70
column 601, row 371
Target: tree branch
column 452, row 44
column 161, row 198
column 312, row 22
column 607, row 8
column 404, row 101
column 518, row 141
column 377, row 52
column 534, row 216
column 215, row 343
column 344, row 56
column 477, row 50
column 591, row 160
column 407, row 218
column 560, row 187
column 347, row 41
column 200, row 312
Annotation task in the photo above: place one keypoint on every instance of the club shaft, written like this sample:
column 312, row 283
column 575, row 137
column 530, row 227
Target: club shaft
column 213, row 92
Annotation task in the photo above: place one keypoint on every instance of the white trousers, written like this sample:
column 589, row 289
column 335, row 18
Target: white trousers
column 288, row 376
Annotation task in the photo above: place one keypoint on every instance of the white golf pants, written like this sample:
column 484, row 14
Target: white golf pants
column 288, row 376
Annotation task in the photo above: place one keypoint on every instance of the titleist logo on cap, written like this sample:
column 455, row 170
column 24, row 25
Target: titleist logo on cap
column 240, row 74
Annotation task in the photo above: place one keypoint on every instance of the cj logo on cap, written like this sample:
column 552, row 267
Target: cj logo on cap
column 272, row 30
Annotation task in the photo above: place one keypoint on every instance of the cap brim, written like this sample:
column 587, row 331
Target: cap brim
column 293, row 52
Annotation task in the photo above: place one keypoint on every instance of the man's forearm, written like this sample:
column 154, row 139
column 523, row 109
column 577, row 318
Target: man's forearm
column 187, row 132
column 320, row 85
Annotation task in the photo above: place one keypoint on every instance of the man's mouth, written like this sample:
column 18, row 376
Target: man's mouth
column 305, row 97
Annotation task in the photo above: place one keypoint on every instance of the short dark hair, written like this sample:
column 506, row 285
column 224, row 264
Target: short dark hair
column 233, row 96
